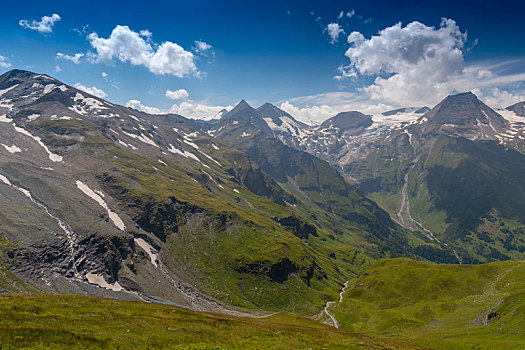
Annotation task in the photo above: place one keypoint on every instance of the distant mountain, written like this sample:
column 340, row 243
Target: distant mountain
column 463, row 115
column 518, row 109
column 452, row 174
column 318, row 188
column 414, row 162
column 347, row 121
column 417, row 110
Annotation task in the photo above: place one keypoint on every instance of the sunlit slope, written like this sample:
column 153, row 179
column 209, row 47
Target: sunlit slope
column 66, row 322
column 442, row 306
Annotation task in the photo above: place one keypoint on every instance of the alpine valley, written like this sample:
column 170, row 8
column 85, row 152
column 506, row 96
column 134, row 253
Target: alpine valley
column 407, row 227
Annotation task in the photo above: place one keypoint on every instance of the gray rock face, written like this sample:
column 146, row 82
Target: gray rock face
column 518, row 109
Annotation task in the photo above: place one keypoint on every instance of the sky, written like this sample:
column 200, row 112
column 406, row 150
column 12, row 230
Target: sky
column 311, row 59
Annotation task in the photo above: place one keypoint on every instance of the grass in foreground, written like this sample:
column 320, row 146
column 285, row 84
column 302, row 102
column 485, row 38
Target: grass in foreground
column 441, row 306
column 66, row 322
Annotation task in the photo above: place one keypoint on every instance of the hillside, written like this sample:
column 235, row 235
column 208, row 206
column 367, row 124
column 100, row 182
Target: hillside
column 441, row 306
column 66, row 322
column 452, row 175
column 102, row 199
column 321, row 193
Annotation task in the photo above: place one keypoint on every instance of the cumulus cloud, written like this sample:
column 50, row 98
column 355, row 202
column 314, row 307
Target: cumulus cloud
column 91, row 90
column 177, row 94
column 129, row 46
column 4, row 63
column 412, row 64
column 194, row 110
column 334, row 30
column 188, row 109
column 418, row 65
column 44, row 26
column 104, row 75
column 136, row 104
column 58, row 69
column 75, row 58
column 315, row 109
column 497, row 98
column 202, row 47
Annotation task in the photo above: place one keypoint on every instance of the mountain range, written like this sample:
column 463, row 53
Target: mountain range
column 452, row 174
column 252, row 210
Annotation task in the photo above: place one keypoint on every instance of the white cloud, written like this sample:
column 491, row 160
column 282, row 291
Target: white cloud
column 4, row 63
column 104, row 75
column 136, row 104
column 91, row 90
column 177, row 94
column 146, row 34
column 413, row 65
column 58, row 69
column 194, row 110
column 497, row 98
column 418, row 65
column 334, row 30
column 129, row 46
column 201, row 47
column 315, row 109
column 349, row 14
column 44, row 26
column 188, row 109
column 75, row 58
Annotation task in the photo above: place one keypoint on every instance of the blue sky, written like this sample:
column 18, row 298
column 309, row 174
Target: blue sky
column 276, row 51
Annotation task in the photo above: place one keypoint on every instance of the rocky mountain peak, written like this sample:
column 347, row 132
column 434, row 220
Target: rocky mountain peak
column 463, row 115
column 348, row 120
column 518, row 109
column 276, row 114
column 268, row 110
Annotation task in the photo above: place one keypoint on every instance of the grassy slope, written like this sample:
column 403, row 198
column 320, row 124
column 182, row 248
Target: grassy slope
column 226, row 258
column 65, row 322
column 438, row 305
column 470, row 194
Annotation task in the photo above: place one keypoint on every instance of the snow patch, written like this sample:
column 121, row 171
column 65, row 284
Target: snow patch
column 5, row 180
column 33, row 117
column 127, row 145
column 12, row 149
column 184, row 153
column 142, row 138
column 101, row 282
column 48, row 88
column 191, row 144
column 5, row 103
column 8, row 89
column 215, row 147
column 5, row 119
column 52, row 156
column 511, row 116
column 148, row 248
column 112, row 215
column 210, row 158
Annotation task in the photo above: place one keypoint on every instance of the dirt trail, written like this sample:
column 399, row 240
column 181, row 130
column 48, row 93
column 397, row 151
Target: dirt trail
column 329, row 303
